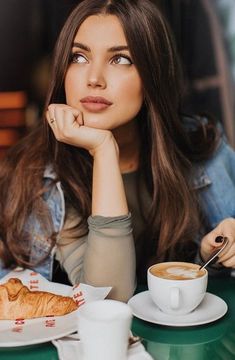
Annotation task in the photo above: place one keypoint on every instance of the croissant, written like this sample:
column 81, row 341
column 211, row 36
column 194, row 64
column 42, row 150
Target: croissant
column 18, row 302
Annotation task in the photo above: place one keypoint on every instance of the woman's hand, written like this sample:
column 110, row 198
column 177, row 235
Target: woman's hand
column 212, row 240
column 68, row 127
column 108, row 194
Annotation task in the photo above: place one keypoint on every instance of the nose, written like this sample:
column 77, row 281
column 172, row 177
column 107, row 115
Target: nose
column 96, row 77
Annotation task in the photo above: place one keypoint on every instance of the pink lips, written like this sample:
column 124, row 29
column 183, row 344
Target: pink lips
column 95, row 103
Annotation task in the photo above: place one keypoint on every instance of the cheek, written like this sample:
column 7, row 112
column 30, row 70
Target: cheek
column 71, row 87
column 132, row 94
column 67, row 80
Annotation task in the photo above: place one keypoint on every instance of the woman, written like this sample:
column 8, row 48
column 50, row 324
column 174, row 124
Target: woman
column 114, row 153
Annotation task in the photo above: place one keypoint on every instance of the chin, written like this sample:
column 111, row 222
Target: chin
column 95, row 123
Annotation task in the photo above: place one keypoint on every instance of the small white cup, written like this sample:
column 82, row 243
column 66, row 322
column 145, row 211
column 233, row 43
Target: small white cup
column 177, row 296
column 104, row 329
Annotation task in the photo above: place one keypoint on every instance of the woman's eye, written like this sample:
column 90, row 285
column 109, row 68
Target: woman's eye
column 121, row 60
column 78, row 59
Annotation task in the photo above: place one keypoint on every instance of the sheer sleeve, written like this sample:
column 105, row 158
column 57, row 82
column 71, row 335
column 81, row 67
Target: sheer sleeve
column 103, row 257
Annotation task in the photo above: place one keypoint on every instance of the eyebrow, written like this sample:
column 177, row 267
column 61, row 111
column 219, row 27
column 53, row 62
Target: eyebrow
column 112, row 49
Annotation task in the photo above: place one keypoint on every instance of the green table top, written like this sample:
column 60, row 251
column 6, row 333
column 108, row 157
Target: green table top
column 212, row 341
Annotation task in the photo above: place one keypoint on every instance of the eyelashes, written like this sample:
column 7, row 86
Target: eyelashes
column 78, row 58
column 125, row 59
column 117, row 59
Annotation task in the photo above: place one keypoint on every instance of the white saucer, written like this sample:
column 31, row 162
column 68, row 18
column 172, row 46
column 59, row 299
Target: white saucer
column 211, row 308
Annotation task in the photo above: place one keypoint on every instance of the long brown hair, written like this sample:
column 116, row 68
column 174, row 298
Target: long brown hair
column 166, row 150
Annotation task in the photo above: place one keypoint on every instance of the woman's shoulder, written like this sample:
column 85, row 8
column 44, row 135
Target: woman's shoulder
column 214, row 179
column 214, row 158
column 219, row 167
column 223, row 154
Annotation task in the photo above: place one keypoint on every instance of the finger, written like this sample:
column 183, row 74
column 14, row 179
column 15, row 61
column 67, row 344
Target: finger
column 211, row 244
column 226, row 245
column 74, row 118
column 50, row 114
column 211, row 241
column 229, row 264
column 60, row 111
column 49, row 117
column 55, row 112
column 66, row 118
column 52, row 121
column 217, row 240
column 66, row 121
column 80, row 119
column 227, row 253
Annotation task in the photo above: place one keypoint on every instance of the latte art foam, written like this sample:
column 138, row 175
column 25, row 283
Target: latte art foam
column 177, row 271
column 183, row 272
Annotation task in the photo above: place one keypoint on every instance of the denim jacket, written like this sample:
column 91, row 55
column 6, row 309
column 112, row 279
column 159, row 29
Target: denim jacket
column 213, row 179
column 56, row 203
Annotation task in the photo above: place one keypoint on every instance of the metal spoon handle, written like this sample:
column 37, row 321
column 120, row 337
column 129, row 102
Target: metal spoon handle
column 215, row 254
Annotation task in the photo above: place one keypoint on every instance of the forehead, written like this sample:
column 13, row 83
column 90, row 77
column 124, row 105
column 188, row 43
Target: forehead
column 104, row 29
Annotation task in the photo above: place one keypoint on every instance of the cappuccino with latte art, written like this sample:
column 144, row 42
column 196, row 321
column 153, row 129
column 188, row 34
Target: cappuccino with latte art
column 177, row 288
column 179, row 271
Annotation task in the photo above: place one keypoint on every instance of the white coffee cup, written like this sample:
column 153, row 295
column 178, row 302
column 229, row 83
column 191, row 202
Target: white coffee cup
column 104, row 329
column 177, row 288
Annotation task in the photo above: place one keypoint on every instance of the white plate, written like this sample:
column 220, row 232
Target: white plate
column 36, row 331
column 40, row 330
column 211, row 308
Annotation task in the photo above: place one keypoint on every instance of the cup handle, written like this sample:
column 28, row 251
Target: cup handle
column 174, row 298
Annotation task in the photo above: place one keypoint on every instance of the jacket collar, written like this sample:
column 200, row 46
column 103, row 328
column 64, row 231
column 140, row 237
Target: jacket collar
column 200, row 179
column 49, row 172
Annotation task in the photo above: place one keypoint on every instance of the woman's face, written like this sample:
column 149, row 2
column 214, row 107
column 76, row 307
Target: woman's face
column 101, row 80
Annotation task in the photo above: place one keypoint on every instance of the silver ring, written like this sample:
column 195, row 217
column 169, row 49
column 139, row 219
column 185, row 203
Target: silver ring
column 52, row 120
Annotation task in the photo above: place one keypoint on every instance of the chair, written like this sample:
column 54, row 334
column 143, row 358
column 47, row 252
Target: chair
column 12, row 118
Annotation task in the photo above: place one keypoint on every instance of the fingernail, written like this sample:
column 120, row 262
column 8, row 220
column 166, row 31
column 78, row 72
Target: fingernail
column 219, row 239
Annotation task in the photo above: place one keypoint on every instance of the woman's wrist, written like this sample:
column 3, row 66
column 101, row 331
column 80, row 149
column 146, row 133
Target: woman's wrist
column 108, row 145
column 108, row 194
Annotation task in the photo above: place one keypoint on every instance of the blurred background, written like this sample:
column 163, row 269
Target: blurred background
column 205, row 36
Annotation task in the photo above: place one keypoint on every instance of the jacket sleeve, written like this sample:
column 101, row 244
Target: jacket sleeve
column 217, row 200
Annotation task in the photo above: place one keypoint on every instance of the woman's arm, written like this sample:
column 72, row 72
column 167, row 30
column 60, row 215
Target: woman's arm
column 108, row 194
column 109, row 257
column 106, row 257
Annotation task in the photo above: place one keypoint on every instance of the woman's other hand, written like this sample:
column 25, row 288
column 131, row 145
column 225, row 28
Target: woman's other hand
column 67, row 124
column 213, row 240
